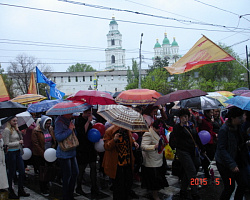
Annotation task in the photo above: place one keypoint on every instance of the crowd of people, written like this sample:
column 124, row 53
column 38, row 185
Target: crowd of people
column 127, row 157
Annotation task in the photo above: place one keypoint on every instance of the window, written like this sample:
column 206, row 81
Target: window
column 54, row 79
column 112, row 42
column 61, row 79
column 112, row 59
column 76, row 79
column 83, row 78
column 90, row 78
column 69, row 79
column 112, row 77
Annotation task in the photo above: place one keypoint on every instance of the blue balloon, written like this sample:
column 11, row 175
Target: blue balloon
column 94, row 135
column 204, row 137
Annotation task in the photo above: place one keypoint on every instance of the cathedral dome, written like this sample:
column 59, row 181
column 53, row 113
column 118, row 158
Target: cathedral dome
column 157, row 44
column 113, row 22
column 174, row 43
column 166, row 40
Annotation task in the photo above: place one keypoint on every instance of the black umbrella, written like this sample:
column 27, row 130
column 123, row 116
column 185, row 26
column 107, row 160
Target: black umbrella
column 9, row 108
column 116, row 94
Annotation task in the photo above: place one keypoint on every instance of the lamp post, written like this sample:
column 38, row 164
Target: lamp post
column 139, row 85
column 95, row 77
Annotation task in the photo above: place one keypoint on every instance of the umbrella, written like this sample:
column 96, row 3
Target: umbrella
column 68, row 107
column 116, row 94
column 219, row 97
column 226, row 94
column 137, row 97
column 24, row 120
column 179, row 95
column 240, row 102
column 93, row 97
column 8, row 108
column 124, row 117
column 43, row 106
column 200, row 103
column 245, row 94
column 28, row 98
column 239, row 92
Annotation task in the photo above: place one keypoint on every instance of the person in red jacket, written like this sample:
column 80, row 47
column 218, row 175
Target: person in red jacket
column 206, row 123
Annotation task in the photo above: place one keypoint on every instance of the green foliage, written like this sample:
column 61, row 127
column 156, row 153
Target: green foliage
column 78, row 67
column 133, row 76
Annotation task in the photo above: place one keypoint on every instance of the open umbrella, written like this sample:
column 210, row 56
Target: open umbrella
column 8, row 108
column 179, row 95
column 239, row 92
column 226, row 94
column 24, row 120
column 219, row 97
column 28, row 98
column 245, row 94
column 68, row 107
column 200, row 103
column 116, row 94
column 92, row 97
column 240, row 102
column 43, row 106
column 137, row 97
column 124, row 117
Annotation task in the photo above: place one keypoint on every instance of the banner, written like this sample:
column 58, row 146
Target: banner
column 32, row 86
column 4, row 95
column 41, row 78
column 203, row 52
column 54, row 92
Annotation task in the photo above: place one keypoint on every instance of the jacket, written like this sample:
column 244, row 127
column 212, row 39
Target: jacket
column 110, row 159
column 12, row 140
column 151, row 157
column 62, row 131
column 208, row 126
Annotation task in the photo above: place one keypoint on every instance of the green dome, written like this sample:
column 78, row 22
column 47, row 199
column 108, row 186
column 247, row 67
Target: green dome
column 166, row 40
column 157, row 44
column 174, row 43
column 113, row 21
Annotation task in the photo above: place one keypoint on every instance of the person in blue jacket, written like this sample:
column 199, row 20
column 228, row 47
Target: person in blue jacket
column 63, row 128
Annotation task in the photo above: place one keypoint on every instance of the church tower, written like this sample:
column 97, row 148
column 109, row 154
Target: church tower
column 115, row 54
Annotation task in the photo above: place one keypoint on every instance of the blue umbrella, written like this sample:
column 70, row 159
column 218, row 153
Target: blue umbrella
column 43, row 106
column 240, row 102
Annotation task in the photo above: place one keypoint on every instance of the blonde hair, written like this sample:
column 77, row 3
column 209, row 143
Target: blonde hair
column 11, row 128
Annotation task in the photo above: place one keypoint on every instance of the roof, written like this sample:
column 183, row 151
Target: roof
column 174, row 43
column 157, row 44
column 166, row 40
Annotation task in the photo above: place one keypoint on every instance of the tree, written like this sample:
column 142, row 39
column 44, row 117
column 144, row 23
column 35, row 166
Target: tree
column 20, row 70
column 80, row 68
column 133, row 76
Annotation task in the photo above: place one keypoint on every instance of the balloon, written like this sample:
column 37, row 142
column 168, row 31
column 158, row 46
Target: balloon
column 204, row 137
column 170, row 128
column 167, row 133
column 135, row 136
column 100, row 127
column 94, row 135
column 26, row 154
column 50, row 155
column 99, row 146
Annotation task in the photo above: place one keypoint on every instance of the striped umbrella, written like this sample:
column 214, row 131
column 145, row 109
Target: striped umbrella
column 123, row 117
column 68, row 107
column 28, row 98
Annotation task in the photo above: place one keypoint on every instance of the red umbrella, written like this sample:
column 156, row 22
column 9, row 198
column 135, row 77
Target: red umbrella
column 137, row 97
column 179, row 95
column 92, row 97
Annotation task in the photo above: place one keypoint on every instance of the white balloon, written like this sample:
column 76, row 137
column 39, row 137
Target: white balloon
column 26, row 154
column 99, row 146
column 167, row 136
column 50, row 155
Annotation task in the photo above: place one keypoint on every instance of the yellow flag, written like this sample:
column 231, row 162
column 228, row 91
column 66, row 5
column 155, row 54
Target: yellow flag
column 203, row 52
column 4, row 95
column 32, row 86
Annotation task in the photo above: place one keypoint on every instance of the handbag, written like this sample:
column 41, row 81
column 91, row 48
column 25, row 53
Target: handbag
column 20, row 145
column 69, row 143
column 176, row 167
column 197, row 150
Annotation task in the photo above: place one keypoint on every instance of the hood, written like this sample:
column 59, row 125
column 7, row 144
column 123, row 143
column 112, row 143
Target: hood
column 43, row 120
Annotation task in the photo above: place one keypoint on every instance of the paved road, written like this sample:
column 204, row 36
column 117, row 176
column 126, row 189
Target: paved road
column 208, row 192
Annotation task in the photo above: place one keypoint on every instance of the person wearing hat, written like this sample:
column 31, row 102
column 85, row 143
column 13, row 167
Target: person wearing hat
column 13, row 138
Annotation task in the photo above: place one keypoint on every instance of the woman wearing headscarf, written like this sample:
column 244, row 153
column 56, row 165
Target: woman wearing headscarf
column 232, row 155
column 13, row 139
column 43, row 137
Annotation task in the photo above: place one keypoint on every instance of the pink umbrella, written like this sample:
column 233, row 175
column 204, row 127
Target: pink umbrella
column 246, row 94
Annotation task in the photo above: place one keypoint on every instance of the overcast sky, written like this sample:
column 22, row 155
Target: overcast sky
column 62, row 40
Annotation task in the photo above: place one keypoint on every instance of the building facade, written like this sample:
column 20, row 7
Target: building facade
column 171, row 51
column 115, row 54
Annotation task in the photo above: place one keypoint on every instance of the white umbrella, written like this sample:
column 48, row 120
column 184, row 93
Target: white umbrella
column 24, row 120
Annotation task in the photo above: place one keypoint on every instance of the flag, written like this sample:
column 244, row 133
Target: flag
column 47, row 94
column 41, row 78
column 4, row 95
column 54, row 92
column 203, row 52
column 32, row 86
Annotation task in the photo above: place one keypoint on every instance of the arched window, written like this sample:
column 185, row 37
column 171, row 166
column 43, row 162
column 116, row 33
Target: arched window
column 112, row 42
column 112, row 59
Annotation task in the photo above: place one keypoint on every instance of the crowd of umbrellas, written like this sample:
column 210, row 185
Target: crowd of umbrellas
column 117, row 109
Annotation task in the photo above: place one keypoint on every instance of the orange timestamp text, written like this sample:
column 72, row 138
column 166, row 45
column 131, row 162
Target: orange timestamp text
column 204, row 181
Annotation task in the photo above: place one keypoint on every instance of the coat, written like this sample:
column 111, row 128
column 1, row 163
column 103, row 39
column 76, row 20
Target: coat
column 3, row 173
column 110, row 159
column 151, row 157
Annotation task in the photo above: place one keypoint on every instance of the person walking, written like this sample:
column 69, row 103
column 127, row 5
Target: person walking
column 13, row 139
column 63, row 128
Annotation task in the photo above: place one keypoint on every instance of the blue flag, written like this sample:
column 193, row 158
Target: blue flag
column 41, row 78
column 47, row 94
column 54, row 92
